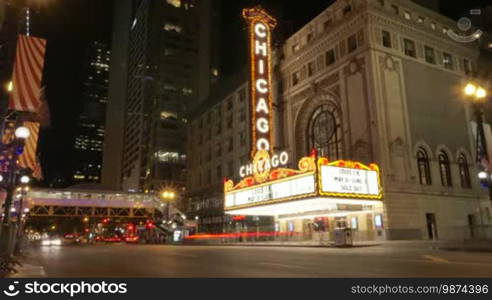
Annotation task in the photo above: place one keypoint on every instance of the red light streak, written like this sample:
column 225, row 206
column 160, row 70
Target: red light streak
column 241, row 234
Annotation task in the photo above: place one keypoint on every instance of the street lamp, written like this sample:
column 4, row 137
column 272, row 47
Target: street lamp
column 25, row 179
column 168, row 196
column 22, row 133
column 9, row 182
column 478, row 95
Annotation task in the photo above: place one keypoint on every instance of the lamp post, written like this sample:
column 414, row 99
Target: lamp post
column 21, row 134
column 23, row 189
column 168, row 196
column 478, row 95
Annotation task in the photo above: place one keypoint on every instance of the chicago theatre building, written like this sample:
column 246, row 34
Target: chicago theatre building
column 358, row 121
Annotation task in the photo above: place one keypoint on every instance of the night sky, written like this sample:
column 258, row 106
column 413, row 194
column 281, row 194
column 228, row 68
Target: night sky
column 70, row 25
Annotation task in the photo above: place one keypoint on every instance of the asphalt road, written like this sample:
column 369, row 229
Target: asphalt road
column 121, row 260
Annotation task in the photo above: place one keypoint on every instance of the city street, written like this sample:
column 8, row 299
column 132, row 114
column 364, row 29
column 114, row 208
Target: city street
column 121, row 260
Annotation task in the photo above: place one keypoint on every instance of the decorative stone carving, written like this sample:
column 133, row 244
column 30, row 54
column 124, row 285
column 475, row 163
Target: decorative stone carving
column 397, row 147
column 361, row 151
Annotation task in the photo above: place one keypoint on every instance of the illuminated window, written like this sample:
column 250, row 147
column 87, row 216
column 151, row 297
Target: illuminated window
column 420, row 19
column 433, row 26
column 325, row 132
column 172, row 27
column 445, row 169
column 447, row 60
column 409, row 48
column 164, row 156
column 430, row 55
column 408, row 15
column 175, row 3
column 215, row 72
column 168, row 115
column 445, row 30
column 423, row 166
column 386, row 39
column 464, row 172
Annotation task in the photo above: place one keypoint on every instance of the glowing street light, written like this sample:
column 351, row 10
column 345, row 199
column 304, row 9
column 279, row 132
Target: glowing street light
column 25, row 179
column 482, row 175
column 22, row 133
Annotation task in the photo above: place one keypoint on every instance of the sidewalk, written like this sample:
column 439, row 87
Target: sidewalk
column 471, row 246
column 29, row 271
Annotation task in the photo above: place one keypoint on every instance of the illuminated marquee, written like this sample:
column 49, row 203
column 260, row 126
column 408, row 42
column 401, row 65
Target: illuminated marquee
column 260, row 25
column 341, row 179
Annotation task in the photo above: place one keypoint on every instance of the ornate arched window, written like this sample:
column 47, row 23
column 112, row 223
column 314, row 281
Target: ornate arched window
column 423, row 166
column 464, row 172
column 325, row 132
column 445, row 169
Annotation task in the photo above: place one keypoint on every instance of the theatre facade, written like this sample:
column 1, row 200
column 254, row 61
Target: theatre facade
column 360, row 125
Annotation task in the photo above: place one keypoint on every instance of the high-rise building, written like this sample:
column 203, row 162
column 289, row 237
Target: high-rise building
column 90, row 129
column 164, row 55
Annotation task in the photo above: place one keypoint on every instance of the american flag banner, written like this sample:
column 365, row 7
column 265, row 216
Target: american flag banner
column 28, row 158
column 28, row 71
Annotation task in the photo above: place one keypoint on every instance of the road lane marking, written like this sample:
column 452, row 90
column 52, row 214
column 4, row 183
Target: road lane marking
column 436, row 259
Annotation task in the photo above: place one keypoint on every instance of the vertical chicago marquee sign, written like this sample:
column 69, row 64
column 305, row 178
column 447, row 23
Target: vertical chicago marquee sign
column 260, row 26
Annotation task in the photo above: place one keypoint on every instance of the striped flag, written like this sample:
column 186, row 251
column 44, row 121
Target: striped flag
column 28, row 159
column 28, row 71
